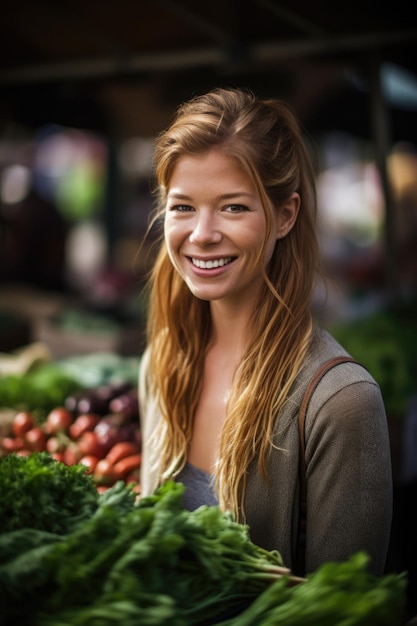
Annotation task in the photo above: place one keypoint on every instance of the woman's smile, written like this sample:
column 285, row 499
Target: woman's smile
column 210, row 264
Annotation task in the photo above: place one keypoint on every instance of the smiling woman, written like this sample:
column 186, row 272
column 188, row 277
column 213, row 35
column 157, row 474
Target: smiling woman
column 232, row 343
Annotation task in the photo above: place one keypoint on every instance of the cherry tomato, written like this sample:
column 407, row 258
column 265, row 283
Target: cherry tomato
column 58, row 420
column 35, row 439
column 54, row 444
column 58, row 456
column 83, row 423
column 24, row 452
column 90, row 463
column 22, row 422
column 71, row 455
column 12, row 444
column 90, row 444
column 121, row 450
column 104, row 473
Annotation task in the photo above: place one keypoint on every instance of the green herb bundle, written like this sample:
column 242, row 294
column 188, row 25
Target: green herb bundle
column 337, row 594
column 40, row 493
column 161, row 560
column 153, row 563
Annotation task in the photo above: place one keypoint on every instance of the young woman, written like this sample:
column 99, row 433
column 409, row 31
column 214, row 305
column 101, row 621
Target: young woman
column 232, row 344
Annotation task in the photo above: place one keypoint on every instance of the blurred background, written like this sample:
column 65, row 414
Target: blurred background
column 84, row 89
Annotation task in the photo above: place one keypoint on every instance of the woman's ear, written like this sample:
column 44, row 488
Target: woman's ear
column 287, row 215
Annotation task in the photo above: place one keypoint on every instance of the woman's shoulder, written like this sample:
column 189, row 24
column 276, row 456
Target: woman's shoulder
column 323, row 348
column 346, row 397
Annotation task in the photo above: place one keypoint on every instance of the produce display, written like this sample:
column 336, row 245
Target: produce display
column 151, row 562
column 55, row 411
column 46, row 384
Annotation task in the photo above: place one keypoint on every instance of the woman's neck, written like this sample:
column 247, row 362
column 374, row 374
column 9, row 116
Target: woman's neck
column 230, row 326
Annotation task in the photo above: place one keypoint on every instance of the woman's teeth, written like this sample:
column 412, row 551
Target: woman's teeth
column 208, row 265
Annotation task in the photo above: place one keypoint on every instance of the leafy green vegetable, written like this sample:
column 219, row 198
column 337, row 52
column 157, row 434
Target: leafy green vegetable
column 153, row 563
column 337, row 594
column 120, row 497
column 38, row 391
column 24, row 573
column 156, row 562
column 17, row 542
column 101, row 368
column 40, row 493
column 143, row 610
column 21, row 573
column 203, row 559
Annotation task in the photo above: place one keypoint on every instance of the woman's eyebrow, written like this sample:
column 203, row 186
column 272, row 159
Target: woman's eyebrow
column 224, row 196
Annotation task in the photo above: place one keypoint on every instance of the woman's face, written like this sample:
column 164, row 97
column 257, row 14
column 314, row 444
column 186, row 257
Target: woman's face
column 215, row 227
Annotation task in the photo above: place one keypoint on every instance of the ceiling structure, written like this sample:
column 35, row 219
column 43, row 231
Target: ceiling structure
column 62, row 56
column 87, row 38
column 126, row 64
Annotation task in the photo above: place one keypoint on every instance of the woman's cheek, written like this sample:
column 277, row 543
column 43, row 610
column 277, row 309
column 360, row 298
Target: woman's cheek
column 175, row 235
column 173, row 254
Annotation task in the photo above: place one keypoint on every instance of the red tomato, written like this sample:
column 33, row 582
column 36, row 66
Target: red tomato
column 83, row 423
column 35, row 439
column 58, row 456
column 71, row 455
column 104, row 473
column 22, row 422
column 121, row 450
column 24, row 452
column 54, row 444
column 89, row 444
column 58, row 420
column 12, row 444
column 90, row 463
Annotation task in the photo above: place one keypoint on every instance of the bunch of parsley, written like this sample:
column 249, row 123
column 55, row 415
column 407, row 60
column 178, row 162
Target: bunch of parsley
column 40, row 493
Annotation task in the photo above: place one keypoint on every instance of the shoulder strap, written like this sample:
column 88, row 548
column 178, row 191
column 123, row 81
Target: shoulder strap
column 328, row 365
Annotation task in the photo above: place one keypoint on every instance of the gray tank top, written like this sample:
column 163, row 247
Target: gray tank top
column 198, row 487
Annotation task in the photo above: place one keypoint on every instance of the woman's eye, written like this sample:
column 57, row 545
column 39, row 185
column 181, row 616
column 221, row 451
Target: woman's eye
column 236, row 208
column 181, row 208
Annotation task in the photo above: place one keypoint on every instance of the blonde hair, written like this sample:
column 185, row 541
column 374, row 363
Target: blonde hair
column 265, row 139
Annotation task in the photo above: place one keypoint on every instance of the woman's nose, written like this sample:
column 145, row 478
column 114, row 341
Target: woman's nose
column 205, row 231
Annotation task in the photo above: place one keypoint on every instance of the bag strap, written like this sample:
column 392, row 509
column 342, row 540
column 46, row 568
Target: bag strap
column 299, row 569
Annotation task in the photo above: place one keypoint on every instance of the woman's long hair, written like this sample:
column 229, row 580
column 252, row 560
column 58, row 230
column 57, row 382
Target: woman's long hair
column 264, row 138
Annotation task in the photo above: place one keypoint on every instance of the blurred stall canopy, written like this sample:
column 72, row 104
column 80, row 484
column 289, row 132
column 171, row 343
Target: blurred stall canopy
column 50, row 40
column 186, row 45
column 101, row 63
